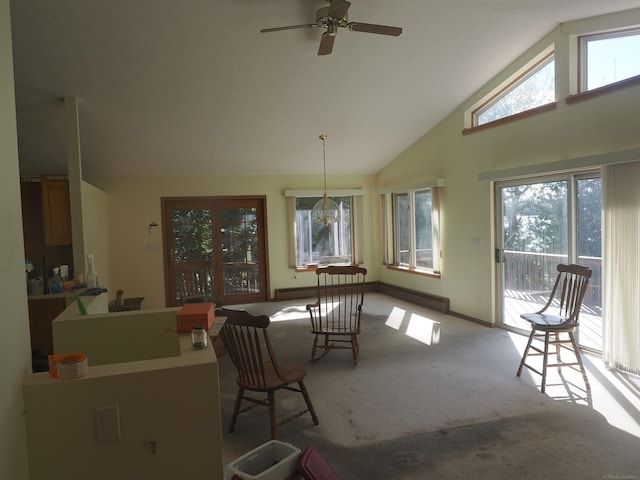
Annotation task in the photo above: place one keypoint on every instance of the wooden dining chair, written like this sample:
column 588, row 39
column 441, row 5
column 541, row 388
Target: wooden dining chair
column 337, row 314
column 246, row 341
column 559, row 316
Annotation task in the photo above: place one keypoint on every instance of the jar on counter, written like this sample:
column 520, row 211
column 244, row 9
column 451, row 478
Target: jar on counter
column 199, row 337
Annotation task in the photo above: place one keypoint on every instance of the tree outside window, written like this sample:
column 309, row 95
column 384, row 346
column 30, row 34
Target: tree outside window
column 413, row 229
column 535, row 88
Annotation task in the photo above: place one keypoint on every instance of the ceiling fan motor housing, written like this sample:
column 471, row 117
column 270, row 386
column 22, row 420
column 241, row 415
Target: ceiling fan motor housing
column 333, row 17
column 324, row 20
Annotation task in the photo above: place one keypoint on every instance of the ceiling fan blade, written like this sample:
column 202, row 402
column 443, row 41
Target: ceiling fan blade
column 326, row 44
column 371, row 28
column 338, row 9
column 291, row 27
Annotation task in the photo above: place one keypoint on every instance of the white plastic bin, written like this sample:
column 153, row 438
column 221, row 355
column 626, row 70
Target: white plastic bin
column 273, row 460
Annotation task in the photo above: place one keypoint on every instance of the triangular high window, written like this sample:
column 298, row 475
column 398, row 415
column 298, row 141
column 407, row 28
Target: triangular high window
column 530, row 88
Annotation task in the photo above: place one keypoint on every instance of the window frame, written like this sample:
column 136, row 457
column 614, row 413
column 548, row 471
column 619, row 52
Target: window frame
column 389, row 206
column 522, row 72
column 583, row 61
column 314, row 264
column 514, row 82
column 356, row 208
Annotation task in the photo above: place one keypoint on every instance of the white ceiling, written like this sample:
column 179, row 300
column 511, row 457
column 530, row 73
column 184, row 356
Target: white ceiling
column 193, row 87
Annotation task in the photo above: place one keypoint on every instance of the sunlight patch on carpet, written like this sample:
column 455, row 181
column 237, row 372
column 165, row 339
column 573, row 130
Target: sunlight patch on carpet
column 424, row 330
column 417, row 327
column 395, row 318
column 295, row 312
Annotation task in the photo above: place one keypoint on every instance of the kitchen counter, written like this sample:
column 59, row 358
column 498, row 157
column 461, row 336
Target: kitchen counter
column 43, row 310
column 42, row 296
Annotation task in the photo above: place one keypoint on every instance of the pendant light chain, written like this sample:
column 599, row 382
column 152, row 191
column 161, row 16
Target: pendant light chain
column 325, row 211
column 323, row 137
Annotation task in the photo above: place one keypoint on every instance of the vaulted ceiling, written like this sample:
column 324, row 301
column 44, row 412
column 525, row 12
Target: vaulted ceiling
column 194, row 87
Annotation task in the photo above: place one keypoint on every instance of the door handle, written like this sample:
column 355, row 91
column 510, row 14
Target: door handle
column 499, row 257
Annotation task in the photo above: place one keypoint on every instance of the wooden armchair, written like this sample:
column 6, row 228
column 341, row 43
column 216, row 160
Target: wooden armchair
column 336, row 315
column 247, row 342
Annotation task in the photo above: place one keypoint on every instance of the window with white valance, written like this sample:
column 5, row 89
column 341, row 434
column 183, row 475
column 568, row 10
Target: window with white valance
column 411, row 222
column 313, row 244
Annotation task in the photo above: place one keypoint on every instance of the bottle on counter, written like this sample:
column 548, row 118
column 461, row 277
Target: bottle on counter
column 56, row 284
column 120, row 298
column 198, row 337
column 92, row 275
column 45, row 276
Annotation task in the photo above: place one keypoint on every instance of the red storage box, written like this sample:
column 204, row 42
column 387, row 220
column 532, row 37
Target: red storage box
column 195, row 314
column 313, row 466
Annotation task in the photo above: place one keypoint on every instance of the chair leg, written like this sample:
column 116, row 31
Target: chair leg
column 307, row 400
column 545, row 360
column 315, row 347
column 272, row 413
column 355, row 348
column 526, row 351
column 579, row 358
column 236, row 409
column 324, row 347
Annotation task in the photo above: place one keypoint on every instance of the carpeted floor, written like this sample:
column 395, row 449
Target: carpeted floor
column 435, row 396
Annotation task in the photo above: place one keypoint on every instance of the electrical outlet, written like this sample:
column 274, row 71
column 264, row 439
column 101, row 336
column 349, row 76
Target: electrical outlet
column 107, row 424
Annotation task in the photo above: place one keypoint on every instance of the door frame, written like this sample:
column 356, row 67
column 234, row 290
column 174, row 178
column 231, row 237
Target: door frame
column 572, row 178
column 498, row 246
column 218, row 270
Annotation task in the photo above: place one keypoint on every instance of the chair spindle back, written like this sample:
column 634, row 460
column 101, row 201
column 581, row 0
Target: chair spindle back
column 572, row 282
column 341, row 295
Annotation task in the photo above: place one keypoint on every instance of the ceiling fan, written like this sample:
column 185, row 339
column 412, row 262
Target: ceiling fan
column 333, row 17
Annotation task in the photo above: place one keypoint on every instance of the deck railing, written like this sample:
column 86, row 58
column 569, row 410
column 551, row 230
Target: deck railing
column 536, row 272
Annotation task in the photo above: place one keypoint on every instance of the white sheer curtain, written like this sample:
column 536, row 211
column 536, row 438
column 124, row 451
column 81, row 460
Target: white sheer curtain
column 621, row 307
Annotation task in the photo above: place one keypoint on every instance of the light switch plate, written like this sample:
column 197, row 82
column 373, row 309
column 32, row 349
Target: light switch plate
column 107, row 424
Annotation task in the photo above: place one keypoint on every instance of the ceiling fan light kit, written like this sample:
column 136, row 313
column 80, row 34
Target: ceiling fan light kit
column 333, row 17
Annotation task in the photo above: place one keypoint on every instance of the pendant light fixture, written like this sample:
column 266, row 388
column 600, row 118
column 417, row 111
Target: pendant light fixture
column 325, row 211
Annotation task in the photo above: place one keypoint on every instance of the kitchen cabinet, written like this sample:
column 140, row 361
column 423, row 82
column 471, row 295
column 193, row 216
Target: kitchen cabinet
column 33, row 223
column 56, row 212
column 43, row 310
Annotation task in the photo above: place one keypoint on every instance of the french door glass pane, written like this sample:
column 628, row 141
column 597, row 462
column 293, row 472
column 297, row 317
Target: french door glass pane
column 215, row 249
column 240, row 257
column 193, row 252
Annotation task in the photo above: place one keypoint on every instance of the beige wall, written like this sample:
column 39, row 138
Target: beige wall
column 15, row 351
column 599, row 125
column 136, row 251
column 95, row 226
column 117, row 337
column 162, row 400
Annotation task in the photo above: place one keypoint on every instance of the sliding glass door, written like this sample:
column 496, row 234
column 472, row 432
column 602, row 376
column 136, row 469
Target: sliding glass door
column 541, row 223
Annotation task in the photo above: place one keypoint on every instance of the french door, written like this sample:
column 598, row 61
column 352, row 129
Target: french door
column 215, row 247
column 540, row 223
